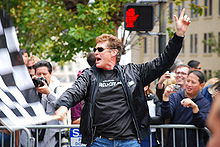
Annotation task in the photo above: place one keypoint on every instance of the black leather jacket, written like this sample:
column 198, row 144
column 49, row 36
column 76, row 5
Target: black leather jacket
column 133, row 77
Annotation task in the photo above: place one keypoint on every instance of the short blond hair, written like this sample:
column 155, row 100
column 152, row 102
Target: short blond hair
column 113, row 42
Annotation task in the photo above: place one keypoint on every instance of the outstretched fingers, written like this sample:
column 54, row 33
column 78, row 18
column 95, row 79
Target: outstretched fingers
column 175, row 18
column 182, row 23
column 182, row 13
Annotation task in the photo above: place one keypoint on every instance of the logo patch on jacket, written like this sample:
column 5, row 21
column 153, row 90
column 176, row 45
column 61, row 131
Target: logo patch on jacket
column 130, row 83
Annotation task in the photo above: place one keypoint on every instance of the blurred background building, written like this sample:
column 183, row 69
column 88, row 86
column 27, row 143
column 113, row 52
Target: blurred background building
column 205, row 28
column 67, row 73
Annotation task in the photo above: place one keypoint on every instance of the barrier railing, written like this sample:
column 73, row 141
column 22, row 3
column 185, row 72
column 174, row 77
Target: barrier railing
column 173, row 127
column 12, row 137
column 70, row 140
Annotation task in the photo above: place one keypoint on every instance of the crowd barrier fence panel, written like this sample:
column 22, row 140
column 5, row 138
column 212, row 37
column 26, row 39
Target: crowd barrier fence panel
column 12, row 139
column 179, row 126
column 31, row 141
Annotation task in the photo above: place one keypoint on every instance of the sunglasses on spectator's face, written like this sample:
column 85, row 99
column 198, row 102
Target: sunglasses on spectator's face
column 30, row 67
column 100, row 49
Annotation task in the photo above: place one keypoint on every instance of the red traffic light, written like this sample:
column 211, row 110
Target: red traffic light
column 138, row 17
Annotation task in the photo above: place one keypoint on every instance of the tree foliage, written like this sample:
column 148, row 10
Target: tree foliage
column 59, row 29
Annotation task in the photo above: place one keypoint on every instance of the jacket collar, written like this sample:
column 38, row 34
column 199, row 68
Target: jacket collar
column 183, row 95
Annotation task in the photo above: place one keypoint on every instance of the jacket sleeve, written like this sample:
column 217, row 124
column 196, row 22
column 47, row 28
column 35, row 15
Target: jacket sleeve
column 167, row 108
column 199, row 119
column 54, row 95
column 159, row 92
column 76, row 92
column 149, row 71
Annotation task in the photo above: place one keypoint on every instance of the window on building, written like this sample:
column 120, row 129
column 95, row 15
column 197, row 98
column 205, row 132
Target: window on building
column 205, row 73
column 156, row 45
column 145, row 45
column 196, row 43
column 196, row 3
column 193, row 13
column 218, row 7
column 171, row 10
column 208, row 7
column 205, row 43
column 219, row 40
column 209, row 46
column 62, row 68
column 208, row 73
column 193, row 43
column 180, row 8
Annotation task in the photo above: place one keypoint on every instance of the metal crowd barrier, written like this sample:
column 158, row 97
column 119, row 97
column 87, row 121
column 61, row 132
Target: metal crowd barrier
column 33, row 142
column 61, row 129
column 12, row 137
column 173, row 127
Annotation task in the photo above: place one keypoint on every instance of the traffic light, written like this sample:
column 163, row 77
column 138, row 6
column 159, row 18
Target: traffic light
column 138, row 17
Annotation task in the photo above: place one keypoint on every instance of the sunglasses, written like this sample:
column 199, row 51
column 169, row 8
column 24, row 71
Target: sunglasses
column 30, row 67
column 100, row 49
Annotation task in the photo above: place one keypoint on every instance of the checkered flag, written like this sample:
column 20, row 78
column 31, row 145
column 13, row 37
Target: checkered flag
column 19, row 102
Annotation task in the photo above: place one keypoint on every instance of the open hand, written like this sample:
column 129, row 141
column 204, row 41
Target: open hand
column 168, row 91
column 182, row 23
column 60, row 113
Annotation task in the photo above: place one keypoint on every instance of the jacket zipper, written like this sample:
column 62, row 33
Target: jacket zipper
column 127, row 99
column 91, row 111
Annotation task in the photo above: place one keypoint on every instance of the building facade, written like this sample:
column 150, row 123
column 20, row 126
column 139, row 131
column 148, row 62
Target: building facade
column 204, row 28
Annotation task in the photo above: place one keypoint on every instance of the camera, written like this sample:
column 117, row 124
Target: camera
column 176, row 87
column 38, row 82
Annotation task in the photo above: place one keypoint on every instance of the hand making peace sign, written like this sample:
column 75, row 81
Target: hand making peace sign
column 182, row 23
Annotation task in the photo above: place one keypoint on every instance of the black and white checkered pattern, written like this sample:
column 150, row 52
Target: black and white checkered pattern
column 19, row 104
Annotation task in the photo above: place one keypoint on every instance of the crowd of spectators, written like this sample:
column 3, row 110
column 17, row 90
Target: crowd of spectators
column 186, row 97
column 181, row 96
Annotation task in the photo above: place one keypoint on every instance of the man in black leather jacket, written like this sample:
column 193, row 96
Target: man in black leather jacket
column 115, row 110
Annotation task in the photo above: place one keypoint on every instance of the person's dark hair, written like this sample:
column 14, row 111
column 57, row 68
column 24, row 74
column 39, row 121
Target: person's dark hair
column 199, row 74
column 91, row 59
column 22, row 51
column 113, row 42
column 43, row 63
column 193, row 63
